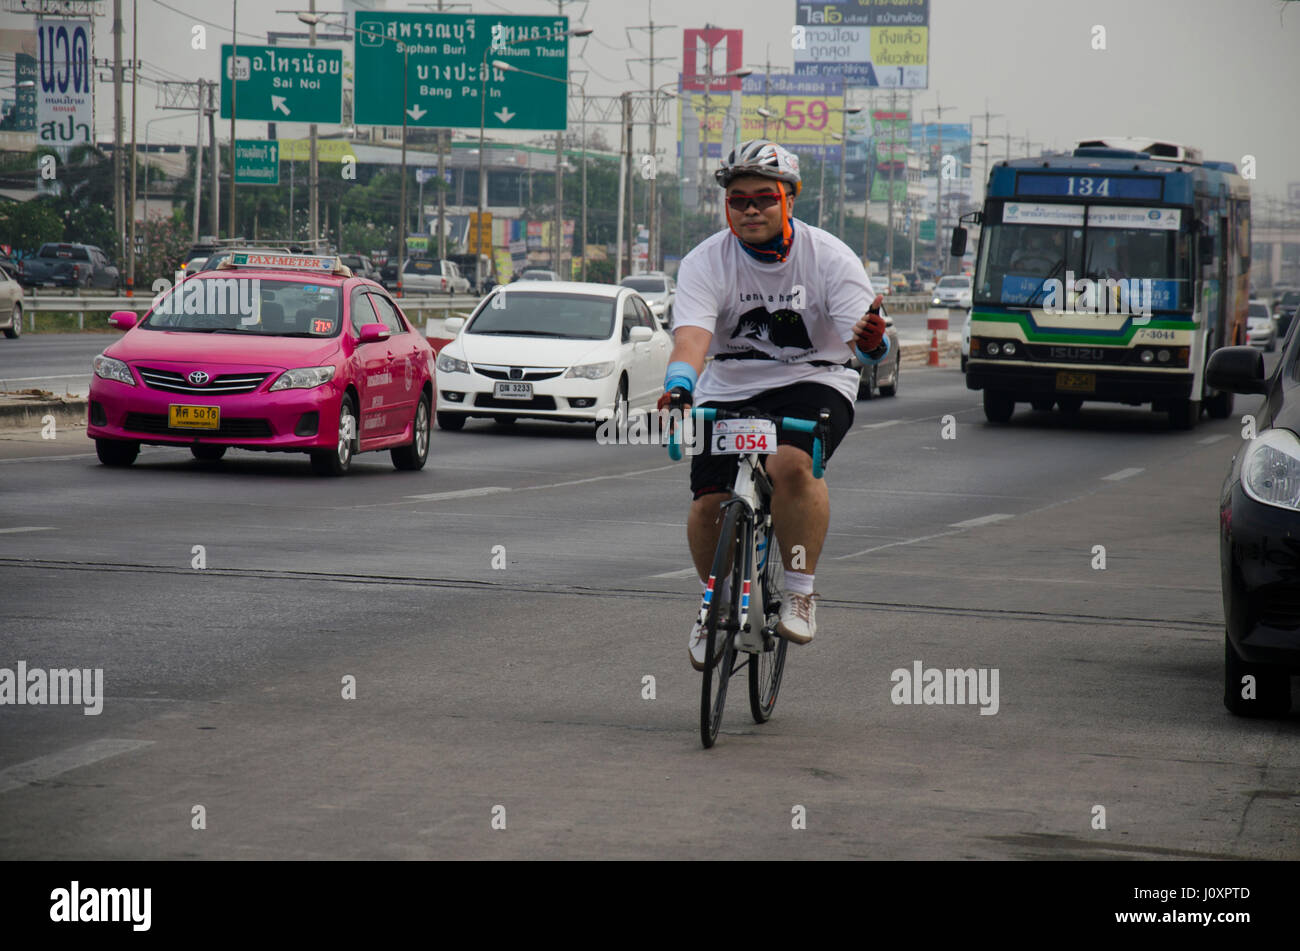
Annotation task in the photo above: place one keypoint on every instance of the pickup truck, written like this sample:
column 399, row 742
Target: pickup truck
column 68, row 265
column 422, row 275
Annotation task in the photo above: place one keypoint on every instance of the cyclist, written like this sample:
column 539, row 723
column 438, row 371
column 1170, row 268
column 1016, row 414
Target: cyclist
column 781, row 307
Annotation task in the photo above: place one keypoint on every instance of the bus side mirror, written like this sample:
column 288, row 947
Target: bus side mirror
column 958, row 241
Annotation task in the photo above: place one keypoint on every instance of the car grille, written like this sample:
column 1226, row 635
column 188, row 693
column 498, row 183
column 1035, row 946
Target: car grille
column 1067, row 354
column 530, row 374
column 177, row 383
column 156, row 423
column 537, row 402
column 1277, row 606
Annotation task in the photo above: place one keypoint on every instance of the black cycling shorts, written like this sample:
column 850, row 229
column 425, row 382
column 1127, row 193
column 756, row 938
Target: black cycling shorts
column 710, row 474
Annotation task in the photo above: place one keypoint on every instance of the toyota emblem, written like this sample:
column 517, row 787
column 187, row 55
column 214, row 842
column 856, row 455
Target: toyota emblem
column 198, row 378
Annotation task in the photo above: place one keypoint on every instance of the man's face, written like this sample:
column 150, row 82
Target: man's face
column 753, row 225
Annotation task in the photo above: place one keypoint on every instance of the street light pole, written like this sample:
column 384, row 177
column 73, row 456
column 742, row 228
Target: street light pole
column 313, row 214
column 234, row 87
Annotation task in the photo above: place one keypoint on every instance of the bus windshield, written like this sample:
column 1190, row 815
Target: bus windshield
column 1016, row 259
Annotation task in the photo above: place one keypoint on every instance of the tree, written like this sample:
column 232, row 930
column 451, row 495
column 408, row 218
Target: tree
column 29, row 224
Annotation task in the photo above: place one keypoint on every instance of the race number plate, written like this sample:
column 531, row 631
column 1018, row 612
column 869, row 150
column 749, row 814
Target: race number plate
column 1076, row 382
column 736, row 436
column 193, row 417
column 513, row 391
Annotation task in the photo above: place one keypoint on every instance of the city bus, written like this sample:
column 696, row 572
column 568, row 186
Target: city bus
column 1108, row 274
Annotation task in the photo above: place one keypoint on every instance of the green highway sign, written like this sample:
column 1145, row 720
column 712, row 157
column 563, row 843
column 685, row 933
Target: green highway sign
column 257, row 162
column 927, row 230
column 284, row 83
column 444, row 54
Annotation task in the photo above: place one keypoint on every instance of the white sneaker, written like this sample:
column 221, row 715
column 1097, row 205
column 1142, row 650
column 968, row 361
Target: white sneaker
column 698, row 643
column 798, row 617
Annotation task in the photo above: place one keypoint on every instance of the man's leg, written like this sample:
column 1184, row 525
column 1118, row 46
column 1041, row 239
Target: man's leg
column 703, row 526
column 801, row 508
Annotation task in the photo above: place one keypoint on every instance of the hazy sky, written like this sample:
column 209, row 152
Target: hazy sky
column 1219, row 74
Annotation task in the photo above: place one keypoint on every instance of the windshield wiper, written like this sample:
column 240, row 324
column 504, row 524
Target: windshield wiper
column 1043, row 286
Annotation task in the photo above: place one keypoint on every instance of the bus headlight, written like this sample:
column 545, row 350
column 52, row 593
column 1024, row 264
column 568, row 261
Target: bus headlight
column 1147, row 356
column 1009, row 348
column 992, row 349
column 1270, row 471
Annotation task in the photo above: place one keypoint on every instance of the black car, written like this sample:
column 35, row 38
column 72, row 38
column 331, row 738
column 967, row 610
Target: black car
column 1259, row 535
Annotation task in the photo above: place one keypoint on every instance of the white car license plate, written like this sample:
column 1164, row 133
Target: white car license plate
column 736, row 436
column 513, row 391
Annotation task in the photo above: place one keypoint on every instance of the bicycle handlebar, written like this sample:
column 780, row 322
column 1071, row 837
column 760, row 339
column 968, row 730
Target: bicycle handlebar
column 709, row 414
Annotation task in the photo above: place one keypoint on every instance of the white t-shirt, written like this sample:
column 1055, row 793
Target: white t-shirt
column 795, row 311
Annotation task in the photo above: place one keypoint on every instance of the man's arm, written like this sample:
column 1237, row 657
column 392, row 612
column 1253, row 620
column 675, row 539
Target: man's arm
column 690, row 346
column 870, row 342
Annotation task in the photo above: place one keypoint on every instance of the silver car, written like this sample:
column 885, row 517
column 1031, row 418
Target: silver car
column 659, row 291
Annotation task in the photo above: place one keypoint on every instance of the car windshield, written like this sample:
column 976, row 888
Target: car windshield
column 420, row 266
column 536, row 276
column 1258, row 310
column 240, row 305
column 646, row 285
column 1016, row 261
column 568, row 316
column 955, row 282
column 1290, row 299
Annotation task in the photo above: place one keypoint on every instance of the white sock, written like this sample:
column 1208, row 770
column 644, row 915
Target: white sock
column 796, row 582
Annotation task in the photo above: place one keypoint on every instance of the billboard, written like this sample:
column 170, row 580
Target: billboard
column 65, row 93
column 891, row 138
column 710, row 51
column 868, row 42
column 807, row 110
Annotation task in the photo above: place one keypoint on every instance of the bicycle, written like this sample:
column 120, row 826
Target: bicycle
column 746, row 546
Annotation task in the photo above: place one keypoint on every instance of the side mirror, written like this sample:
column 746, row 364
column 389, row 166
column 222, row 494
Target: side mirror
column 641, row 334
column 958, row 242
column 453, row 325
column 124, row 319
column 373, row 332
column 1236, row 370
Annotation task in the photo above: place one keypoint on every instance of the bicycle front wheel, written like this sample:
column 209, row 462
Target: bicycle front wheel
column 727, row 562
column 765, row 669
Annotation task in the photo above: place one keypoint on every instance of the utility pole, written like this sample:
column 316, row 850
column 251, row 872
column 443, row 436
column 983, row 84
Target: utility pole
column 118, row 220
column 889, row 234
column 234, row 110
column 939, row 109
column 214, row 158
column 625, row 126
column 198, row 161
column 866, row 208
column 135, row 82
column 558, row 259
column 313, row 213
column 988, row 117
column 652, row 257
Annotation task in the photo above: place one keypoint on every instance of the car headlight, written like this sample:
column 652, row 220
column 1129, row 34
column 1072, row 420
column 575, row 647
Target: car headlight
column 303, row 378
column 449, row 364
column 109, row 369
column 591, row 371
column 1270, row 471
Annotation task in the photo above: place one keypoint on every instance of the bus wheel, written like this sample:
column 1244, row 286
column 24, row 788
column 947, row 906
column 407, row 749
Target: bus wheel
column 1219, row 406
column 1070, row 404
column 1184, row 414
column 998, row 406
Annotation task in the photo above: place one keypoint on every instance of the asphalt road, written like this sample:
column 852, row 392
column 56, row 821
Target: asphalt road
column 525, row 687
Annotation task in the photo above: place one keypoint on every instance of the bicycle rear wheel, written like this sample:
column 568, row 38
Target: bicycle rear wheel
column 727, row 561
column 765, row 669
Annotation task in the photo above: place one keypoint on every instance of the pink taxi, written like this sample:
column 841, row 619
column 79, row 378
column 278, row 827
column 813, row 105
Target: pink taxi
column 271, row 351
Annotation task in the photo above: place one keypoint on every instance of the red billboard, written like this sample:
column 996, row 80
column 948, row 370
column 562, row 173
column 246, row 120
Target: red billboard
column 711, row 51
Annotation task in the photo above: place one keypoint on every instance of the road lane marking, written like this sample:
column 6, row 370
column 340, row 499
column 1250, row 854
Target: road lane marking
column 1211, row 439
column 80, row 455
column 460, row 493
column 47, row 767
column 982, row 520
column 676, row 574
column 1122, row 474
column 882, row 425
column 908, row 541
column 27, row 528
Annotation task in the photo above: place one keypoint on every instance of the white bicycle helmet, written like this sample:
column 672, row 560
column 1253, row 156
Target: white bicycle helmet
column 760, row 157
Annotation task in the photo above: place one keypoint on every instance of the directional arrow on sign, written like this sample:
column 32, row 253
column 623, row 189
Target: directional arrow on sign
column 505, row 115
column 415, row 112
column 277, row 103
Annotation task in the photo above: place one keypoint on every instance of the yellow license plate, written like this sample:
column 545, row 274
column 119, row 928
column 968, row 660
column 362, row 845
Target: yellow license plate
column 1076, row 382
column 193, row 417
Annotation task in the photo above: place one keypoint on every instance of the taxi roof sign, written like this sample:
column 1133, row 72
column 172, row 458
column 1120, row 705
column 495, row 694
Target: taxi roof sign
column 329, row 264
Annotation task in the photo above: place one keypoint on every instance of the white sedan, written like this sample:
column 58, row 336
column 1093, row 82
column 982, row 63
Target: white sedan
column 552, row 350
